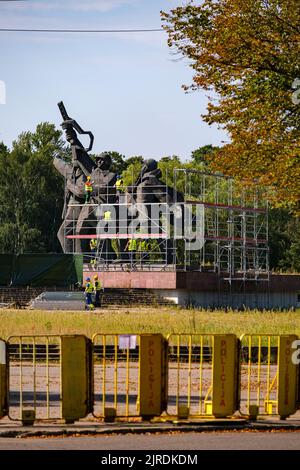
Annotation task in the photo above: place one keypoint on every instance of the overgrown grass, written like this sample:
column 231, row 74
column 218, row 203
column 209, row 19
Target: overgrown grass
column 163, row 320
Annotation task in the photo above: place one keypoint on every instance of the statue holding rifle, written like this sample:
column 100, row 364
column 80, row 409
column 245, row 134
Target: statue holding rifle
column 81, row 172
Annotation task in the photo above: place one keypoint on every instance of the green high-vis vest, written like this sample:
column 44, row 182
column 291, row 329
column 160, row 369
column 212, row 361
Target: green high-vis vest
column 132, row 244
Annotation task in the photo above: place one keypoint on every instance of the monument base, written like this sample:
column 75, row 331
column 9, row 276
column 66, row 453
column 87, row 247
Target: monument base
column 208, row 290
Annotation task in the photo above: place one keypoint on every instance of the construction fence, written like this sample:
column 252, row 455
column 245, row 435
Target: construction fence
column 143, row 376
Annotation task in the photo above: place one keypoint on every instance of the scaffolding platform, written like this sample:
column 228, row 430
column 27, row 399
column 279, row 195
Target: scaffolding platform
column 221, row 228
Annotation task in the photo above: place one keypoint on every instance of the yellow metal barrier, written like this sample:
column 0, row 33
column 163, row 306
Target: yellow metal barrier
column 115, row 371
column 188, row 376
column 34, row 378
column 268, row 381
column 203, row 372
column 75, row 377
column 225, row 375
column 129, row 375
column 152, row 396
column 287, row 377
column 3, row 379
column 49, row 377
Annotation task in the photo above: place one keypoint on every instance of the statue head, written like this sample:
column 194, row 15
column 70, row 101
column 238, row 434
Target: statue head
column 150, row 164
column 103, row 161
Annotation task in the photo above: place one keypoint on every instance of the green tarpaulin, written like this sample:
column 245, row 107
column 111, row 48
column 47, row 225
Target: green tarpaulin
column 40, row 270
column 6, row 269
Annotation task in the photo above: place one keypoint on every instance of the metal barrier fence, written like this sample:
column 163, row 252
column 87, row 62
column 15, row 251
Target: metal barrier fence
column 203, row 374
column 268, row 383
column 190, row 375
column 34, row 377
column 127, row 371
column 145, row 376
column 116, row 370
column 48, row 378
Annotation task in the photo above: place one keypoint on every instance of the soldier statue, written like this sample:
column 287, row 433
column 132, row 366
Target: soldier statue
column 77, row 215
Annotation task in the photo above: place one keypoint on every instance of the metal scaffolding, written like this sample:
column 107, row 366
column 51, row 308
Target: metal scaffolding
column 220, row 227
column 235, row 226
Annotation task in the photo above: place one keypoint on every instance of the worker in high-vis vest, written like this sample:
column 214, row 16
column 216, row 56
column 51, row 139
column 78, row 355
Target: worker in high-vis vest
column 93, row 248
column 131, row 248
column 143, row 249
column 107, row 215
column 98, row 289
column 119, row 183
column 119, row 187
column 88, row 294
column 88, row 189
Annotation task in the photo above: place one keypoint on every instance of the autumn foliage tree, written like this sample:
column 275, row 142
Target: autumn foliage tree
column 246, row 55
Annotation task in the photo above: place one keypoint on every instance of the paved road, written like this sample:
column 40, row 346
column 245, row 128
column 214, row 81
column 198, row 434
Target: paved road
column 189, row 441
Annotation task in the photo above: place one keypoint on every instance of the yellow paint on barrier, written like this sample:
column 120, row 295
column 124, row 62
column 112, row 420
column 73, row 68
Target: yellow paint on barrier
column 75, row 377
column 151, row 386
column 225, row 374
column 287, row 377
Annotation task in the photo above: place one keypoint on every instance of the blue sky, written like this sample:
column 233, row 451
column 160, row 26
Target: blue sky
column 126, row 88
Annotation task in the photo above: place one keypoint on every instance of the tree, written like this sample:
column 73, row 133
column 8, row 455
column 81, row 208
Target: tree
column 31, row 192
column 133, row 169
column 118, row 162
column 202, row 154
column 135, row 160
column 284, row 241
column 279, row 239
column 247, row 52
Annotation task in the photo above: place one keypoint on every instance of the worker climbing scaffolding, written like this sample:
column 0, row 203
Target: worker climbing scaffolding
column 88, row 189
column 119, row 187
column 143, row 248
column 131, row 247
column 107, row 215
column 93, row 248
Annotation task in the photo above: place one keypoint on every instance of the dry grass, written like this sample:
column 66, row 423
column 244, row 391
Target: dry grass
column 163, row 320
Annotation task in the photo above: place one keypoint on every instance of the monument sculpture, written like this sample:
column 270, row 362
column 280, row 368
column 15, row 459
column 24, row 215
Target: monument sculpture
column 76, row 173
column 148, row 187
column 90, row 183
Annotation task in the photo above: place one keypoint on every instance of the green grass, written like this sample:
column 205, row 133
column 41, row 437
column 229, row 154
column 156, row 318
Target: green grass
column 163, row 320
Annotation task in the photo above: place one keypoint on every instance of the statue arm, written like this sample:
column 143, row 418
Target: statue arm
column 83, row 160
column 75, row 189
column 83, row 168
column 64, row 168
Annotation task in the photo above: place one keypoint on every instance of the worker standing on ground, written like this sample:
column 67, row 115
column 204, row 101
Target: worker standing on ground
column 93, row 248
column 88, row 295
column 97, row 291
column 88, row 189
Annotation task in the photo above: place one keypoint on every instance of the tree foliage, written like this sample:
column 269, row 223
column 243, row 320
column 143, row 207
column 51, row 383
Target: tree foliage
column 203, row 154
column 247, row 53
column 31, row 192
column 118, row 162
column 133, row 168
column 284, row 241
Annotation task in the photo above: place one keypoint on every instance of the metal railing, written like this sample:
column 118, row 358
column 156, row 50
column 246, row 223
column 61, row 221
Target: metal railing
column 34, row 377
column 127, row 376
column 259, row 374
column 190, row 374
column 116, row 374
